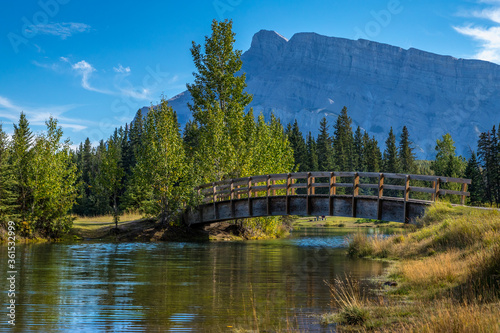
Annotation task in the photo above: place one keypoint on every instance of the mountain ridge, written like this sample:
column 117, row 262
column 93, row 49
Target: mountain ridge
column 310, row 76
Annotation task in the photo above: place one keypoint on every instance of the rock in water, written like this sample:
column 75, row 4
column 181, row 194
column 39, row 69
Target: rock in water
column 311, row 76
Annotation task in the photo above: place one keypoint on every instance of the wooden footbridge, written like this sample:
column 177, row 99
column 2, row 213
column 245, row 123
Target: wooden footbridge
column 364, row 195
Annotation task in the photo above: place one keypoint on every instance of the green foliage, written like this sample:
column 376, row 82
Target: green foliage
column 21, row 161
column 343, row 142
column 476, row 188
column 312, row 154
column 160, row 174
column 299, row 147
column 391, row 157
column 7, row 181
column 446, row 162
column 324, row 147
column 109, row 179
column 406, row 154
column 52, row 182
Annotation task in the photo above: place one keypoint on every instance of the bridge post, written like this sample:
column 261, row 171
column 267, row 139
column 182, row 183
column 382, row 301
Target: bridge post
column 231, row 198
column 309, row 187
column 250, row 196
column 288, row 188
column 406, row 198
column 464, row 189
column 214, row 188
column 380, row 195
column 268, row 184
column 333, row 191
column 355, row 192
column 435, row 186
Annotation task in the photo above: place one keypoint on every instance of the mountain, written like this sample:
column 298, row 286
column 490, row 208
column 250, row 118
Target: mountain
column 311, row 76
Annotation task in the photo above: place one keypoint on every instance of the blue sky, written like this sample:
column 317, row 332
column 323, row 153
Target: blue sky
column 92, row 64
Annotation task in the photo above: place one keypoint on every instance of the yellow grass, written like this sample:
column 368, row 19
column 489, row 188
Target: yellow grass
column 94, row 222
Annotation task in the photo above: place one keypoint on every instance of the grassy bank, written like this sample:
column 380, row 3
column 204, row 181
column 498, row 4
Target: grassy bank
column 445, row 276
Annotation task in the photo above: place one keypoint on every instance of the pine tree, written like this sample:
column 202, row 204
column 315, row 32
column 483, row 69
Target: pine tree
column 7, row 181
column 488, row 155
column 312, row 154
column 406, row 154
column 343, row 142
column 22, row 142
column 298, row 145
column 391, row 158
column 324, row 147
column 476, row 188
column 358, row 161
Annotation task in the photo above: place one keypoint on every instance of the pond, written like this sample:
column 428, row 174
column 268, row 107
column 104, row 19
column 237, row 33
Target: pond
column 182, row 287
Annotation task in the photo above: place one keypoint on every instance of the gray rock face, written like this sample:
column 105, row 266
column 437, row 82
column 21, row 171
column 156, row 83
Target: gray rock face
column 311, row 76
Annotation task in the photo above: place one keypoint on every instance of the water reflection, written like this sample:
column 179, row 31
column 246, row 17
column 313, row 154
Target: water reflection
column 209, row 287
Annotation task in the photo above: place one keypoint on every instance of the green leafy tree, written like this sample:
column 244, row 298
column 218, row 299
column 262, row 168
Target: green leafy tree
column 161, row 168
column 446, row 162
column 110, row 178
column 218, row 103
column 52, row 182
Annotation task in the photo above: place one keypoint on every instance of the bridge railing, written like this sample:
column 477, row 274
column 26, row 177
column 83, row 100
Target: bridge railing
column 288, row 184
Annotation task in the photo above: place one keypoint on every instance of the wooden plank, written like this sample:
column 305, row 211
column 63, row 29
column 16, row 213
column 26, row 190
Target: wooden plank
column 273, row 189
column 320, row 185
column 300, row 175
column 394, row 176
column 313, row 189
column 394, row 187
column 261, row 188
column 444, row 192
column 455, row 180
column 278, row 187
column 369, row 174
column 421, row 189
column 298, row 185
column 424, row 178
column 321, row 174
column 343, row 184
column 344, row 174
column 368, row 186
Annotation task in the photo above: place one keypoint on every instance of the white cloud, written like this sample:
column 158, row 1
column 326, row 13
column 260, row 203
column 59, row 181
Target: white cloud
column 121, row 69
column 85, row 69
column 37, row 116
column 62, row 30
column 488, row 37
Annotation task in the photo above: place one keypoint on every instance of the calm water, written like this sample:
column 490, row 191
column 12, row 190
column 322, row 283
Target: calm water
column 180, row 287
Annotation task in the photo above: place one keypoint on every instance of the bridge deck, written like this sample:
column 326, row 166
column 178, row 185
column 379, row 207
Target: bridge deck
column 275, row 195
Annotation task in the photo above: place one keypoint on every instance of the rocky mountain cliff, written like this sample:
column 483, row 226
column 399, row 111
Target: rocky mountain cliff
column 311, row 76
